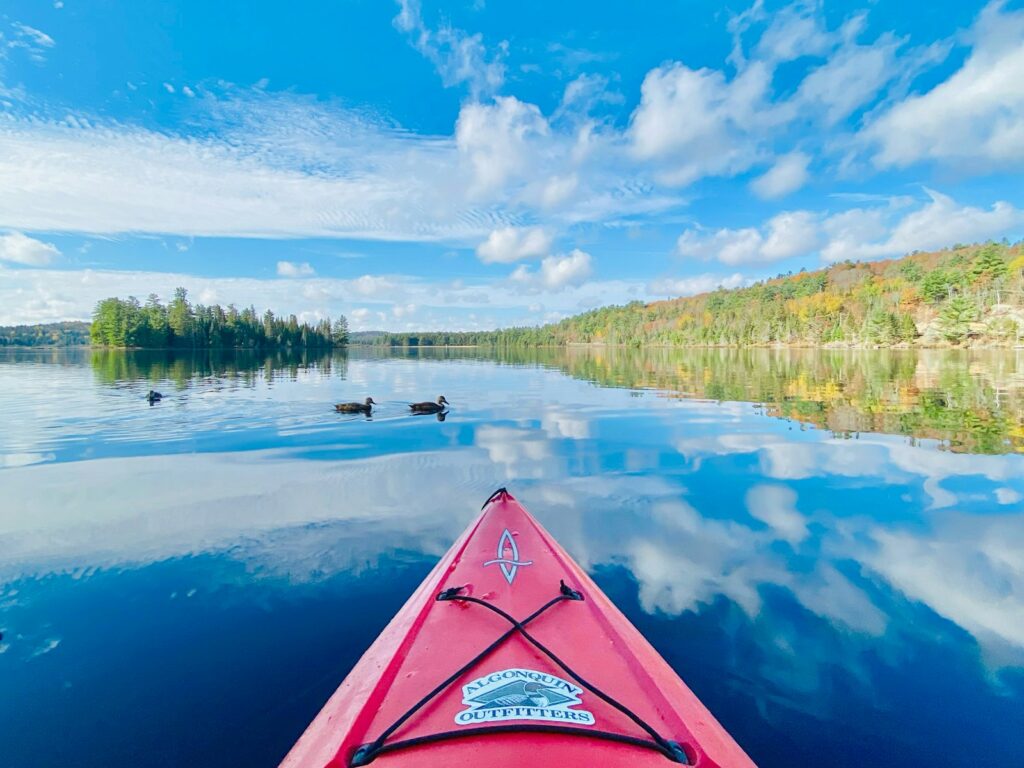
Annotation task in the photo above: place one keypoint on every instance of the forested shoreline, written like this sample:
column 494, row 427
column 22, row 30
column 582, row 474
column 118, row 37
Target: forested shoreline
column 967, row 295
column 72, row 333
column 962, row 296
column 128, row 323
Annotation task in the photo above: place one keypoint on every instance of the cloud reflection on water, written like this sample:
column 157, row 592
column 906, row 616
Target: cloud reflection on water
column 684, row 545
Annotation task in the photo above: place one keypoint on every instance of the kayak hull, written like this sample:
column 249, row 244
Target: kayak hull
column 517, row 703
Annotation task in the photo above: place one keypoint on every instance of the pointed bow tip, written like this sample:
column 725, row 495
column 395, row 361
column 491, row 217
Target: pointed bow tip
column 499, row 495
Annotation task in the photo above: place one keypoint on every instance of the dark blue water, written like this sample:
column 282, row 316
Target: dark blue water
column 828, row 548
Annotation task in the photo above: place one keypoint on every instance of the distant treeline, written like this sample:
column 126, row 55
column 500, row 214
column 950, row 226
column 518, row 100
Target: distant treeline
column 965, row 294
column 127, row 323
column 435, row 338
column 69, row 334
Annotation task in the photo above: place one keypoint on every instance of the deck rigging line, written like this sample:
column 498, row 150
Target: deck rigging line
column 365, row 754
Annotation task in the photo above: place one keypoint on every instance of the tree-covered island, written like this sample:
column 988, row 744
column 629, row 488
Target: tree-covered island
column 180, row 324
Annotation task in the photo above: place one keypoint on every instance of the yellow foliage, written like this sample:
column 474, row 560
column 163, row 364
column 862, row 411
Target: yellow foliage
column 909, row 297
column 815, row 304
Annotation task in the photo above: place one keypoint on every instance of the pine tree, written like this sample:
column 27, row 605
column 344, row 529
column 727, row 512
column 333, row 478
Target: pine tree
column 339, row 334
column 956, row 317
column 180, row 318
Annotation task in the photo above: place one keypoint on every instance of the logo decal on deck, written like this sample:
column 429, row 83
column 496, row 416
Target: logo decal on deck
column 521, row 694
column 508, row 556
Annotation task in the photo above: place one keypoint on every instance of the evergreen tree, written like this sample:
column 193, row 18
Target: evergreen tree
column 956, row 317
column 180, row 317
column 989, row 262
column 936, row 286
column 339, row 333
column 125, row 323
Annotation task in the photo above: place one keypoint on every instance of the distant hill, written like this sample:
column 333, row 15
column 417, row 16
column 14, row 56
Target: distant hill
column 964, row 295
column 67, row 334
column 366, row 337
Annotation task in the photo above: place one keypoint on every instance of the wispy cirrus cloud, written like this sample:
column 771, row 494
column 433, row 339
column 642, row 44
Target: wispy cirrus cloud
column 33, row 41
column 460, row 57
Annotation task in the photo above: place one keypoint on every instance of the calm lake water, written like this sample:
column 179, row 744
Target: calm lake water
column 828, row 547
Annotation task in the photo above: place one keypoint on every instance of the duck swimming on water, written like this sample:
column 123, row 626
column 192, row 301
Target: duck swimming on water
column 154, row 397
column 429, row 407
column 356, row 407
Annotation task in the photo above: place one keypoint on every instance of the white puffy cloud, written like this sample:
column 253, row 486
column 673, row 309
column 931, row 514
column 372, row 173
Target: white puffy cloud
column 847, row 232
column 784, row 236
column 556, row 272
column 691, row 286
column 495, row 139
column 730, row 246
column 876, row 232
column 294, row 269
column 792, row 233
column 19, row 248
column 560, row 271
column 787, row 175
column 871, row 234
column 509, row 244
column 974, row 116
column 695, row 123
column 403, row 310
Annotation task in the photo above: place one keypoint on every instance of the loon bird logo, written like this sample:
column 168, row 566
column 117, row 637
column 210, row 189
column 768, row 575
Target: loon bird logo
column 508, row 556
column 521, row 694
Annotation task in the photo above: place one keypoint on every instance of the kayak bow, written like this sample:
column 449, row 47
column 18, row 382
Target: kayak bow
column 508, row 654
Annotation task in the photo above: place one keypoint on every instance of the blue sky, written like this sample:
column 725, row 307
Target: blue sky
column 475, row 164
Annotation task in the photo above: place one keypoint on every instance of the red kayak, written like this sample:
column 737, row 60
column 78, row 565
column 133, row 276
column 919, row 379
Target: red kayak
column 509, row 655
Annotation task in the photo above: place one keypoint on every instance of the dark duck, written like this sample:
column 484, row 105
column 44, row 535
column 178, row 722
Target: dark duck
column 429, row 407
column 154, row 397
column 355, row 407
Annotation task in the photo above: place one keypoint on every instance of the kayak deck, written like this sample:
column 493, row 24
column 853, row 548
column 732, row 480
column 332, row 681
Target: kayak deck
column 509, row 652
